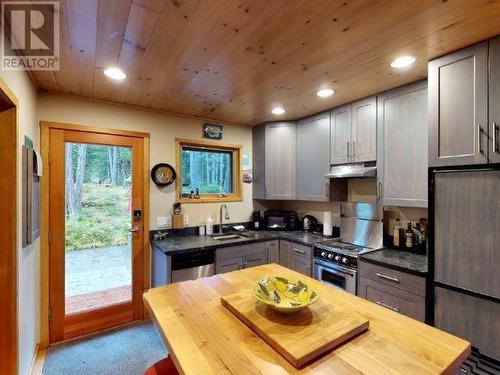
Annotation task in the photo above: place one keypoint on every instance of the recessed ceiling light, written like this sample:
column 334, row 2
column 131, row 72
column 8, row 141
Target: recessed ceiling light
column 278, row 111
column 115, row 73
column 324, row 93
column 403, row 61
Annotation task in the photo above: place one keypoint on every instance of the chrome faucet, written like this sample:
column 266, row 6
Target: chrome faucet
column 221, row 221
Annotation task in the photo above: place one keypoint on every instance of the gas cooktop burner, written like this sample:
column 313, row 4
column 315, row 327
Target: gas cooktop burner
column 343, row 248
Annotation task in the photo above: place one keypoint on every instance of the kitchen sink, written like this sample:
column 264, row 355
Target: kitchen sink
column 228, row 236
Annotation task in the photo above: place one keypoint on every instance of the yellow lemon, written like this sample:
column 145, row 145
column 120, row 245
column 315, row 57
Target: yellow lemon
column 280, row 285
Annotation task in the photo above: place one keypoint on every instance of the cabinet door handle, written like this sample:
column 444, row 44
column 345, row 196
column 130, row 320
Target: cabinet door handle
column 390, row 278
column 327, row 189
column 494, row 137
column 479, row 135
column 379, row 191
column 387, row 306
column 298, row 250
column 353, row 148
column 347, row 150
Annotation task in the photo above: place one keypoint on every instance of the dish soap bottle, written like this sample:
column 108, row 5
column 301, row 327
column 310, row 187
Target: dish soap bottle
column 210, row 226
column 395, row 233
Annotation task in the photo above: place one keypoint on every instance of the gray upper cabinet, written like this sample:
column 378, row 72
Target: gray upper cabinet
column 340, row 121
column 364, row 130
column 494, row 102
column 313, row 158
column 402, row 146
column 354, row 132
column 274, row 161
column 458, row 107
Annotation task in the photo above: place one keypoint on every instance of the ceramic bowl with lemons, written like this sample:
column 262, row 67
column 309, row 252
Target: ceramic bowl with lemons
column 284, row 294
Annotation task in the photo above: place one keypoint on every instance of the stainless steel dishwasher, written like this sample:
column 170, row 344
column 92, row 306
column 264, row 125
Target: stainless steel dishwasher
column 192, row 265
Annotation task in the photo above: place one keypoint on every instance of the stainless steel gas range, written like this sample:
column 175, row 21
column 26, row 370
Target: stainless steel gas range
column 361, row 231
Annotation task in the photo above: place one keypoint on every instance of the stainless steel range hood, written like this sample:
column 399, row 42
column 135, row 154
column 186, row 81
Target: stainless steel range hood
column 368, row 169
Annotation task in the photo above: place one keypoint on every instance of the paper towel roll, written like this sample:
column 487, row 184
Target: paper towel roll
column 327, row 223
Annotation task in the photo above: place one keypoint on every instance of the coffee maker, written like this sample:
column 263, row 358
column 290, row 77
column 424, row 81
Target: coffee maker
column 256, row 223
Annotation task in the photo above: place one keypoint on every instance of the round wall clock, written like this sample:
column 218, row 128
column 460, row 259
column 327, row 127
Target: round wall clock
column 163, row 174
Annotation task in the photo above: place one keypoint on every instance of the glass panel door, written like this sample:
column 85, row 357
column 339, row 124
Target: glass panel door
column 98, row 247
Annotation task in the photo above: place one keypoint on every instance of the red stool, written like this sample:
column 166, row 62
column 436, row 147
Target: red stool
column 164, row 367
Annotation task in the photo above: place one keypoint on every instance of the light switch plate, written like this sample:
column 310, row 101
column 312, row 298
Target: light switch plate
column 186, row 220
column 163, row 222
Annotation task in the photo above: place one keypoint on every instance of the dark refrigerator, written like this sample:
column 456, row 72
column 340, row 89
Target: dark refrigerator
column 464, row 215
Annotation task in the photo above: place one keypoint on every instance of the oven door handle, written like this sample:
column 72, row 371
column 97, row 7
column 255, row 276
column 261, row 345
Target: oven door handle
column 334, row 268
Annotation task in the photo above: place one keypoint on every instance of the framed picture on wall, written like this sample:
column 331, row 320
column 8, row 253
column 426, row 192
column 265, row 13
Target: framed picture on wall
column 212, row 131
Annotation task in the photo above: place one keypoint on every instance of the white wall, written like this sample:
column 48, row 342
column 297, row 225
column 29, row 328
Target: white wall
column 163, row 130
column 28, row 258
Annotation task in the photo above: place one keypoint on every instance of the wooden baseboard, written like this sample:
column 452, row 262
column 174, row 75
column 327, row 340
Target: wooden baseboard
column 38, row 361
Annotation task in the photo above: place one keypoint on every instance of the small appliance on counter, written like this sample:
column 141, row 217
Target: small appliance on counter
column 281, row 220
column 309, row 223
column 256, row 223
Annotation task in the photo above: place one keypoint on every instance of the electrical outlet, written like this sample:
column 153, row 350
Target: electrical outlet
column 185, row 220
column 164, row 222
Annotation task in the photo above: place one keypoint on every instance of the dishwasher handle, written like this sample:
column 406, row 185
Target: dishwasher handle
column 192, row 259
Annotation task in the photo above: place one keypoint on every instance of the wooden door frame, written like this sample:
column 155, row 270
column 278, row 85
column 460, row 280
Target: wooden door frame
column 9, row 324
column 45, row 127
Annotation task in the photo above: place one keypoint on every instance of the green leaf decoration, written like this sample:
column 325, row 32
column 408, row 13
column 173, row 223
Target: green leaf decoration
column 302, row 285
column 282, row 279
column 295, row 289
column 295, row 304
column 264, row 290
column 313, row 295
column 277, row 297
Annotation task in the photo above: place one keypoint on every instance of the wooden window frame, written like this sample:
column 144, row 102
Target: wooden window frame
column 236, row 195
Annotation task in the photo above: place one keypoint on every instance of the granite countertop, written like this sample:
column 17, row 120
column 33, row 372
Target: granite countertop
column 398, row 259
column 178, row 243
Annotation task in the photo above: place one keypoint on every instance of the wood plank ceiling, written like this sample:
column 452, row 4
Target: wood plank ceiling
column 233, row 60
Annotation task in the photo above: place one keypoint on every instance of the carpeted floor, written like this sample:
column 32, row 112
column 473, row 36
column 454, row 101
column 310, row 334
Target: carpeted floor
column 128, row 350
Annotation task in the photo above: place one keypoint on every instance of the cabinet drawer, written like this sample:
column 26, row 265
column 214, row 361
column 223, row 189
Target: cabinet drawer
column 398, row 300
column 300, row 250
column 390, row 277
column 240, row 250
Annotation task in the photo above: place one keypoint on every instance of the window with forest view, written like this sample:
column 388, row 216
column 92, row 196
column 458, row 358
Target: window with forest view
column 208, row 170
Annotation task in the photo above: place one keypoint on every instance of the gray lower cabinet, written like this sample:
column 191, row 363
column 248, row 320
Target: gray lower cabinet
column 402, row 146
column 458, row 107
column 475, row 319
column 235, row 258
column 274, row 161
column 296, row 257
column 395, row 290
column 313, row 158
column 273, row 251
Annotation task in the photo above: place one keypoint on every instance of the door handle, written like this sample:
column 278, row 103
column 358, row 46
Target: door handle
column 327, row 189
column 135, row 230
column 353, row 148
column 479, row 135
column 390, row 278
column 347, row 150
column 298, row 251
column 379, row 190
column 494, row 137
column 387, row 306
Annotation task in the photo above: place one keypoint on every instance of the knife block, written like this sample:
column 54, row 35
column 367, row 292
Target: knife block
column 178, row 221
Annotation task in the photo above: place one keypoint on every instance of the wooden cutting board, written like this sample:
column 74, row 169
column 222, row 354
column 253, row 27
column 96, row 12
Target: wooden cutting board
column 299, row 337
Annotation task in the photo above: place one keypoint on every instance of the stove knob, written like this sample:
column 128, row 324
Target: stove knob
column 337, row 258
column 345, row 260
column 330, row 256
column 323, row 254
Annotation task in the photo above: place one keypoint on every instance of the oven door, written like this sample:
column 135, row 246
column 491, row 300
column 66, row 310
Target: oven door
column 335, row 275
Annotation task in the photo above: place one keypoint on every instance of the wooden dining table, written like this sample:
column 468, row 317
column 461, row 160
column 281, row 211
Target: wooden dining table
column 203, row 337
